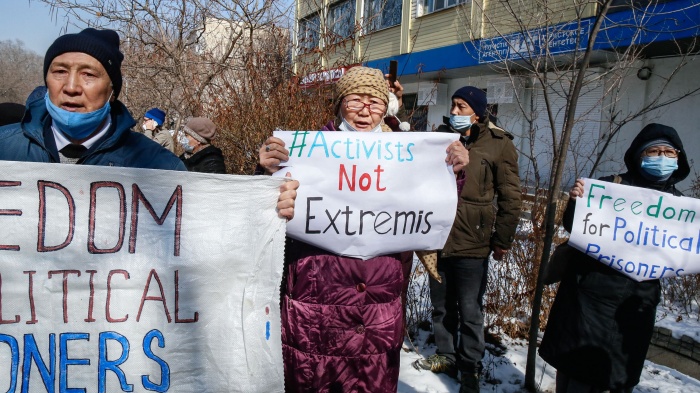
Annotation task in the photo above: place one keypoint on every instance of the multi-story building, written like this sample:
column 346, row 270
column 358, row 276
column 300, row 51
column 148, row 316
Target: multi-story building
column 524, row 53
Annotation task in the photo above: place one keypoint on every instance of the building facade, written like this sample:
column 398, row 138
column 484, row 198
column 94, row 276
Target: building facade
column 525, row 54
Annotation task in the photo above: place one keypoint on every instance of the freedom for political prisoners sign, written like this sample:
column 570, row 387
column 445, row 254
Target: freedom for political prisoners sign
column 642, row 233
column 135, row 280
column 365, row 194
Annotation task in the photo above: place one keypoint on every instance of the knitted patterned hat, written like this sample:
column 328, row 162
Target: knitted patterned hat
column 201, row 129
column 157, row 115
column 362, row 80
column 103, row 45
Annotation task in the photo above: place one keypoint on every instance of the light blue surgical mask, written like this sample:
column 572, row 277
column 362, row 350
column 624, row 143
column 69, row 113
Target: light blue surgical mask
column 658, row 168
column 345, row 126
column 77, row 125
column 459, row 122
column 186, row 146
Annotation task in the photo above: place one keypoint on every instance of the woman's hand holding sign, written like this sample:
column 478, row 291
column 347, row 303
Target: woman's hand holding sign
column 577, row 189
column 457, row 156
column 270, row 155
column 288, row 194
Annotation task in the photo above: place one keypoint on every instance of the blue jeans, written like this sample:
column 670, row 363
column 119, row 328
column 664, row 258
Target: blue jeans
column 458, row 318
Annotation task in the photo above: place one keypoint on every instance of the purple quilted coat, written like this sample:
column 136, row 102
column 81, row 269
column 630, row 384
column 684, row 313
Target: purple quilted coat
column 342, row 321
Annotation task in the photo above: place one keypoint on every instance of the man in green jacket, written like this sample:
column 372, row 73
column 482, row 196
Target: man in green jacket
column 478, row 231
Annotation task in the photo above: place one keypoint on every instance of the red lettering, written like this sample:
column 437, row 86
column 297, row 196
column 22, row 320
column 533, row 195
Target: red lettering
column 177, row 302
column 151, row 275
column 31, row 273
column 92, row 248
column 5, row 321
column 42, row 185
column 379, row 171
column 10, row 212
column 65, row 274
column 91, row 301
column 108, row 315
column 343, row 173
column 137, row 196
column 365, row 179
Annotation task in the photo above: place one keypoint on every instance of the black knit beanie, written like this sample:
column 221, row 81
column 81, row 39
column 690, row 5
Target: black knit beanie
column 103, row 45
column 475, row 98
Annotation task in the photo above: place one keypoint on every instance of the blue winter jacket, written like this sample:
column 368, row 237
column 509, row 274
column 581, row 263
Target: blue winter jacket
column 32, row 140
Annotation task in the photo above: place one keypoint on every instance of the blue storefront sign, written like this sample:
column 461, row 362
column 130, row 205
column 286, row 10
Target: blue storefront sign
column 670, row 21
column 535, row 43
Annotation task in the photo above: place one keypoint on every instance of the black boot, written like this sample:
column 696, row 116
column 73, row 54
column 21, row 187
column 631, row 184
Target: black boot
column 469, row 382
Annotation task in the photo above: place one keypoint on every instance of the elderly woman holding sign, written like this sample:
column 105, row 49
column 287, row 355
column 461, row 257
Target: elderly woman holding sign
column 601, row 321
column 342, row 320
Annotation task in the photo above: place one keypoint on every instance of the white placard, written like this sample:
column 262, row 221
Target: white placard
column 642, row 233
column 367, row 194
column 116, row 279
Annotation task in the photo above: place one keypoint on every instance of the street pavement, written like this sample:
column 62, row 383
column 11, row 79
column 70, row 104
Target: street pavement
column 683, row 364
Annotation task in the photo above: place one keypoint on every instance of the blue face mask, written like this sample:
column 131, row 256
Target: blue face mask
column 658, row 168
column 186, row 146
column 76, row 125
column 460, row 122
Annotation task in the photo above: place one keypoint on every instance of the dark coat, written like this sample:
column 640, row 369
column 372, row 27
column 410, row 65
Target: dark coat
column 601, row 321
column 492, row 172
column 208, row 160
column 342, row 320
column 32, row 141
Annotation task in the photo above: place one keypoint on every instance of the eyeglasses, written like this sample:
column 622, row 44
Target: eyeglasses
column 655, row 152
column 357, row 105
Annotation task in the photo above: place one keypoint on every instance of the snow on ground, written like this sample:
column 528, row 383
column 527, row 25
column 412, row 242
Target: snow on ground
column 680, row 325
column 506, row 374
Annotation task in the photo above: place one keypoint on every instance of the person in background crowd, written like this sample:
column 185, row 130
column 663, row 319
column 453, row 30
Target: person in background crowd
column 80, row 120
column 325, row 347
column 152, row 127
column 200, row 155
column 492, row 172
column 601, row 321
column 10, row 113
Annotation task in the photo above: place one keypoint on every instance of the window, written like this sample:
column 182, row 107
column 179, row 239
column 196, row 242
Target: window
column 380, row 14
column 437, row 5
column 417, row 114
column 341, row 20
column 624, row 5
column 308, row 34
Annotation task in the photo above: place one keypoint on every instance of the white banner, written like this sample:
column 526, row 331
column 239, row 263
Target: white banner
column 367, row 194
column 136, row 280
column 642, row 233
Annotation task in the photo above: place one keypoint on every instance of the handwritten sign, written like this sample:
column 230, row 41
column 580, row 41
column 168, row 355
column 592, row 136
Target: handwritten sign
column 136, row 280
column 642, row 233
column 367, row 194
